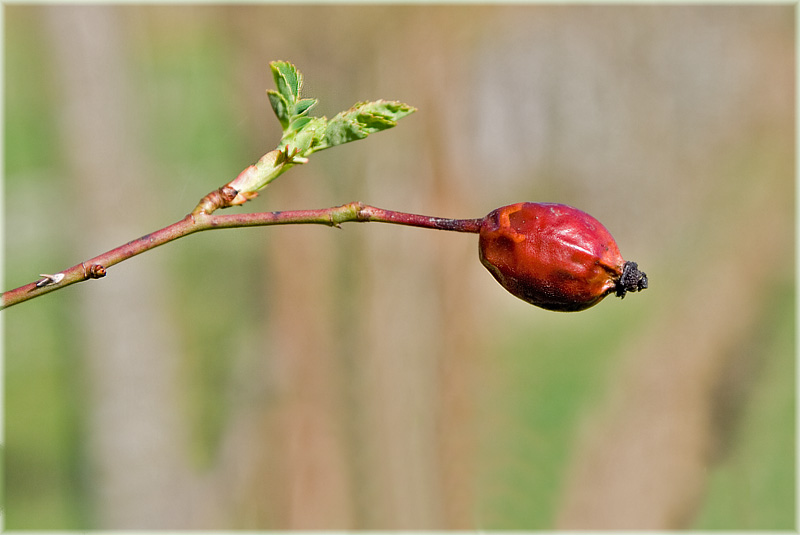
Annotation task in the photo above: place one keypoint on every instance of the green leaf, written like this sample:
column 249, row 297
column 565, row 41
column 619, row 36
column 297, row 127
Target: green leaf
column 288, row 80
column 299, row 123
column 307, row 136
column 304, row 105
column 388, row 110
column 286, row 101
column 280, row 107
column 362, row 120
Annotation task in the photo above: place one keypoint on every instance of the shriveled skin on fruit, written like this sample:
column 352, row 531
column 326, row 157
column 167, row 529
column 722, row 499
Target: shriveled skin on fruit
column 551, row 255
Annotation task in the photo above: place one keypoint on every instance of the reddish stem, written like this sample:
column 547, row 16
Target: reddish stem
column 356, row 211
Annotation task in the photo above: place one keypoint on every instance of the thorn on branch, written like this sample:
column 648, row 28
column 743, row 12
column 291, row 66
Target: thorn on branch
column 49, row 279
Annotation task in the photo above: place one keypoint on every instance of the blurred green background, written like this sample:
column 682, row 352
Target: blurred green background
column 376, row 376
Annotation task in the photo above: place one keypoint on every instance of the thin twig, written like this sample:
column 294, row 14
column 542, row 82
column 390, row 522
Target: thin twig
column 198, row 221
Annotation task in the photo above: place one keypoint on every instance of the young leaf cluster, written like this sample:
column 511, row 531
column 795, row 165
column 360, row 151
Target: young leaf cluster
column 286, row 100
column 304, row 134
column 310, row 134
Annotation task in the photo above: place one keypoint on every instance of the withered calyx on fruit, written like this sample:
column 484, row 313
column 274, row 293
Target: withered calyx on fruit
column 555, row 257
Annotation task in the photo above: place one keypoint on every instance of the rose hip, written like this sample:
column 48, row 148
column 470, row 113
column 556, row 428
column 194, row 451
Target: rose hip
column 555, row 257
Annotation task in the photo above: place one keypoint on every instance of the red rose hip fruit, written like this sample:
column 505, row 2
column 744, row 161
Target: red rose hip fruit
column 555, row 257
